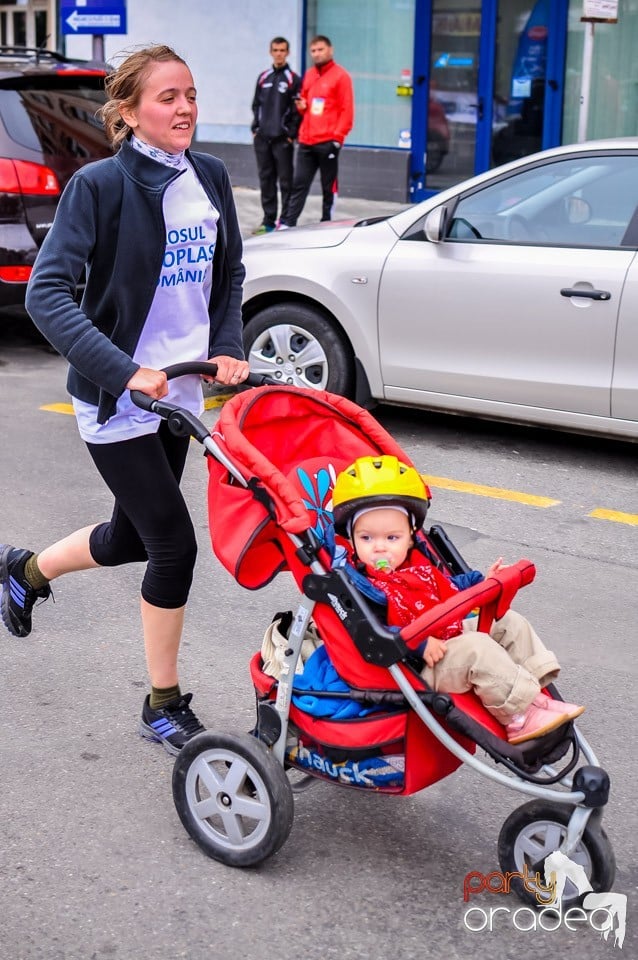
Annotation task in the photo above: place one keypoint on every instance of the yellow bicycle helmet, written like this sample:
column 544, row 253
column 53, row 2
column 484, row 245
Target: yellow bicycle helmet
column 378, row 482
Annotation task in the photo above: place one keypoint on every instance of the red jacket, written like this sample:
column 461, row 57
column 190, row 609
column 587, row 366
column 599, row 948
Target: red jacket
column 411, row 590
column 329, row 114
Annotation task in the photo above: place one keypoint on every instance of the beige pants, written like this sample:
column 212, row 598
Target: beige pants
column 506, row 668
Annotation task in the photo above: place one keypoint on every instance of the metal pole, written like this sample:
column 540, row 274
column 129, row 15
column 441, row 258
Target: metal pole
column 98, row 47
column 585, row 84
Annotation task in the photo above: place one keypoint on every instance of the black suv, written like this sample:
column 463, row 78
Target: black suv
column 48, row 129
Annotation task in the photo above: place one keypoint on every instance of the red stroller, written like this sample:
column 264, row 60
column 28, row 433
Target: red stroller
column 273, row 457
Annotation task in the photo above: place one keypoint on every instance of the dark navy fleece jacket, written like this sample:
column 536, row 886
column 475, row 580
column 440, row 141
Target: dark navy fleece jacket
column 110, row 219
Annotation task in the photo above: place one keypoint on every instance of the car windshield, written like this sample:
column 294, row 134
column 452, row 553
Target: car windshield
column 56, row 115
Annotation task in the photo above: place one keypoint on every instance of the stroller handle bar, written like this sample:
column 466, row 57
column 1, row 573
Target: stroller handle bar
column 189, row 368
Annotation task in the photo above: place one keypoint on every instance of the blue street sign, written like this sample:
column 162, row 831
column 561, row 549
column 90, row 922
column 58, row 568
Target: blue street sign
column 93, row 16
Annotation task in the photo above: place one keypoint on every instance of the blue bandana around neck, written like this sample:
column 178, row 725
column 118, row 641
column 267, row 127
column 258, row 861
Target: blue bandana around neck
column 176, row 160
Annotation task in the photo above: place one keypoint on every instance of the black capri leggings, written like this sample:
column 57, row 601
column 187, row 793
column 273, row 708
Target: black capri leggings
column 150, row 518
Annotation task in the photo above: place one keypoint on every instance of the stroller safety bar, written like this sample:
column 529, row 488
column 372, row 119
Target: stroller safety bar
column 493, row 596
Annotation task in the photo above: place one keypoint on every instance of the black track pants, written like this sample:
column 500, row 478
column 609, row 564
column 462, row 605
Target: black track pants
column 274, row 163
column 150, row 518
column 320, row 156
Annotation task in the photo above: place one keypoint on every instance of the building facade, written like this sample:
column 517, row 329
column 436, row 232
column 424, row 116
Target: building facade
column 443, row 88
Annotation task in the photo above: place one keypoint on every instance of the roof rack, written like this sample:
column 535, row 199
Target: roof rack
column 37, row 53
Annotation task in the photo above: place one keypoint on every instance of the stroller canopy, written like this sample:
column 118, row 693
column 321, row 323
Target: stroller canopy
column 288, row 444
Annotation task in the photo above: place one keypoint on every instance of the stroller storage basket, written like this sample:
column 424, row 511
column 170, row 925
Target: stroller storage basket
column 398, row 733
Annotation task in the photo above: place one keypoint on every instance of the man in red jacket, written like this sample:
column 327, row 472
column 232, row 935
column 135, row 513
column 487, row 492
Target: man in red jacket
column 326, row 104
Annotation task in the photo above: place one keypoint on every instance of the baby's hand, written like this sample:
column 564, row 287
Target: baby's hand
column 496, row 566
column 434, row 651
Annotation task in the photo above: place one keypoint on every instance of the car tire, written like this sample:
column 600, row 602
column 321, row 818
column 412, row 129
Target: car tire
column 298, row 345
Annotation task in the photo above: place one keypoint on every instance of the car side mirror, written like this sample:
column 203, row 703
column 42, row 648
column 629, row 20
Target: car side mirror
column 577, row 209
column 435, row 224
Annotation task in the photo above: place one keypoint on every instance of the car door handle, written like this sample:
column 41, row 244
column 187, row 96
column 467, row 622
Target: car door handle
column 591, row 294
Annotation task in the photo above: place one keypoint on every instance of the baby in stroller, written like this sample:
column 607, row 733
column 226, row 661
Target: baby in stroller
column 379, row 504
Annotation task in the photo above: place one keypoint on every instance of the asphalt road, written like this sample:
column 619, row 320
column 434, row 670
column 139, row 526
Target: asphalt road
column 95, row 864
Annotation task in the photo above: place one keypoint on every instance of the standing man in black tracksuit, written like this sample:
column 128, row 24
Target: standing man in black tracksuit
column 275, row 125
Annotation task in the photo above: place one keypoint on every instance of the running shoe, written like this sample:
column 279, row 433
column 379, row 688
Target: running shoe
column 172, row 725
column 18, row 596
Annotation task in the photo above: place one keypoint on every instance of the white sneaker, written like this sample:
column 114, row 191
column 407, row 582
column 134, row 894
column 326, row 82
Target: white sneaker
column 282, row 226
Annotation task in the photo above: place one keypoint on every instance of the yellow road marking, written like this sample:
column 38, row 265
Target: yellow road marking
column 209, row 404
column 616, row 516
column 217, row 401
column 496, row 493
column 58, row 408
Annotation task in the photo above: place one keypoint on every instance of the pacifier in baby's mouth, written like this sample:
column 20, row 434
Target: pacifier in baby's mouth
column 382, row 564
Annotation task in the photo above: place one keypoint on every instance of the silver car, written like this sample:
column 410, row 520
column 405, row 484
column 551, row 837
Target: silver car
column 512, row 296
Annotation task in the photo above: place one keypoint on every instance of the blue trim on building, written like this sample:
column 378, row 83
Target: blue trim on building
column 485, row 91
column 555, row 74
column 420, row 97
column 304, row 39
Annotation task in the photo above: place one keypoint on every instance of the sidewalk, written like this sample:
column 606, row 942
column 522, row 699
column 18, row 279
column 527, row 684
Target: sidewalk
column 250, row 213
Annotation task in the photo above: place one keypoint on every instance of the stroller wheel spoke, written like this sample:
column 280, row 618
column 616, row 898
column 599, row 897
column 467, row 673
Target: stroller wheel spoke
column 546, row 838
column 208, row 775
column 236, row 776
column 249, row 808
column 233, row 826
column 206, row 808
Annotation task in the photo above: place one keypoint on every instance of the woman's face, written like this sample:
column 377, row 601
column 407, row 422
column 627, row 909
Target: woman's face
column 166, row 114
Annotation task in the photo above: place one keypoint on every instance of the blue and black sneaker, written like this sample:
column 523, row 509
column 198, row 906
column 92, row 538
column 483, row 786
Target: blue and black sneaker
column 18, row 596
column 172, row 725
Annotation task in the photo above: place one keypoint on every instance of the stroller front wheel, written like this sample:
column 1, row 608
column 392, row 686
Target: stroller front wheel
column 233, row 798
column 537, row 829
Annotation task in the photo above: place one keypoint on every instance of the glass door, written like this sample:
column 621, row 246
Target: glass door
column 454, row 106
column 520, row 83
column 494, row 72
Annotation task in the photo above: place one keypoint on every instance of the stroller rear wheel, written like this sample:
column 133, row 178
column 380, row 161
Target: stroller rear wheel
column 233, row 798
column 538, row 828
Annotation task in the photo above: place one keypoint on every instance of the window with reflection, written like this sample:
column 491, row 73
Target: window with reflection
column 576, row 202
column 613, row 109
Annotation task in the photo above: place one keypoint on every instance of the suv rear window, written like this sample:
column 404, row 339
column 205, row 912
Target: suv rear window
column 55, row 114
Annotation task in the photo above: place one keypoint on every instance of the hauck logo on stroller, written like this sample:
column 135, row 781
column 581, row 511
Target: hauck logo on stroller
column 362, row 717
